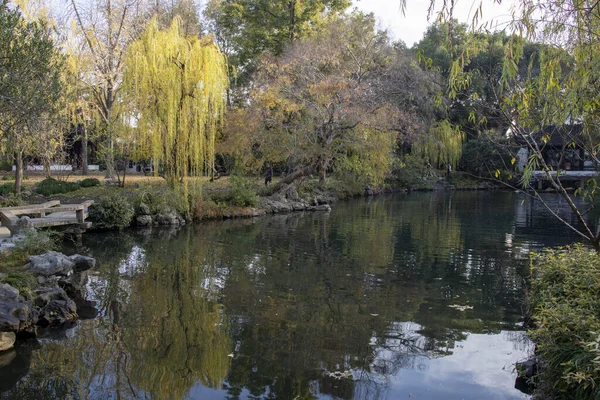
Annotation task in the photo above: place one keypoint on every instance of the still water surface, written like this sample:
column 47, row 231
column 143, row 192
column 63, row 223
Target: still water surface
column 407, row 296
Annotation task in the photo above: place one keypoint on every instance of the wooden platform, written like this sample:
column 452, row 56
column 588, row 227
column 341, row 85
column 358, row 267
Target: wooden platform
column 51, row 213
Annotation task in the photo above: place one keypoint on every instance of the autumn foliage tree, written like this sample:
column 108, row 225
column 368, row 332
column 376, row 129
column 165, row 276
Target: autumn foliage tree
column 318, row 105
column 245, row 29
column 176, row 87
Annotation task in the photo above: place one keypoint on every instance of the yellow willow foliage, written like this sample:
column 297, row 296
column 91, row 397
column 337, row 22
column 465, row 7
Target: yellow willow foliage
column 442, row 145
column 176, row 85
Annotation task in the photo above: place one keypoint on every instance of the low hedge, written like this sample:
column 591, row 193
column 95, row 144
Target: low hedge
column 50, row 186
column 114, row 212
column 89, row 182
column 565, row 304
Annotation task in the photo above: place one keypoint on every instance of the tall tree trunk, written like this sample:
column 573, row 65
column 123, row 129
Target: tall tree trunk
column 292, row 27
column 19, row 171
column 322, row 170
column 47, row 167
column 84, row 153
column 110, row 156
column 289, row 179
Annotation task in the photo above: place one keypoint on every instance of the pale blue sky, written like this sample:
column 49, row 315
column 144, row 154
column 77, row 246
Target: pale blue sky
column 410, row 28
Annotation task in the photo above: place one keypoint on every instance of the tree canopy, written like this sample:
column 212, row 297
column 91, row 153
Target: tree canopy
column 319, row 103
column 30, row 83
column 176, row 85
column 245, row 29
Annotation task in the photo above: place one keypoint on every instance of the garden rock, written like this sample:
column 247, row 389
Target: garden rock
column 51, row 263
column 143, row 220
column 7, row 340
column 74, row 285
column 57, row 312
column 323, row 207
column 83, row 263
column 143, row 209
column 16, row 316
column 168, row 217
column 6, row 246
column 46, row 295
column 8, row 292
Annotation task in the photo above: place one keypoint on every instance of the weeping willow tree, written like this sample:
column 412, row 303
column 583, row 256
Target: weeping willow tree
column 442, row 145
column 176, row 85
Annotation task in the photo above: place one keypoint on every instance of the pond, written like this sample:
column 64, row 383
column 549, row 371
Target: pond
column 401, row 296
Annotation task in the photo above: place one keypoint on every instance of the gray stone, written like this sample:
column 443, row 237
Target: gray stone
column 24, row 221
column 51, row 263
column 6, row 246
column 7, row 340
column 74, row 285
column 143, row 209
column 143, row 220
column 83, row 263
column 168, row 217
column 47, row 280
column 299, row 206
column 46, row 295
column 291, row 193
column 57, row 312
column 16, row 316
column 8, row 292
column 323, row 207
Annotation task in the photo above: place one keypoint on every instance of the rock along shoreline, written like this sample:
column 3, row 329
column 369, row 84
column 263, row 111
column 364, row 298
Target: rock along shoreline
column 56, row 301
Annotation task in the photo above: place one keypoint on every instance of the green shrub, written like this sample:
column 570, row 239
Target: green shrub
column 50, row 186
column 89, row 182
column 12, row 177
column 11, row 200
column 114, row 212
column 39, row 241
column 487, row 158
column 565, row 303
column 6, row 165
column 411, row 172
column 7, row 188
column 241, row 193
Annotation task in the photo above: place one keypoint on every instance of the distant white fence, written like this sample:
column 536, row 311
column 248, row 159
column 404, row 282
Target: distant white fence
column 56, row 167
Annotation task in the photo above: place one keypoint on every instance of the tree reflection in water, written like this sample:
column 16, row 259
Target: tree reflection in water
column 291, row 306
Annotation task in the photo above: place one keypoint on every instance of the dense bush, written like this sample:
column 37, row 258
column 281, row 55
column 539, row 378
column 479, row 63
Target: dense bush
column 8, row 177
column 485, row 158
column 411, row 171
column 157, row 200
column 11, row 200
column 6, row 165
column 241, row 193
column 112, row 212
column 89, row 182
column 50, row 186
column 566, row 313
column 7, row 188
